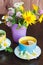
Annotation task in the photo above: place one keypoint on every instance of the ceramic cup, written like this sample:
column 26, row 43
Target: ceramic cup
column 2, row 36
column 27, row 43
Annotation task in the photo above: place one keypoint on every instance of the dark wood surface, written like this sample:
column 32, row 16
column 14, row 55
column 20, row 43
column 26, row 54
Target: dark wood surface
column 10, row 58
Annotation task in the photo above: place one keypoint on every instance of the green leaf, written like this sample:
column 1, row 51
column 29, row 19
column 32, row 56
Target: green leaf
column 0, row 46
column 9, row 49
column 19, row 24
column 25, row 24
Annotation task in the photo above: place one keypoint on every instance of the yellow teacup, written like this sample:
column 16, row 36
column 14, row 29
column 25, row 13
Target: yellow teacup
column 2, row 36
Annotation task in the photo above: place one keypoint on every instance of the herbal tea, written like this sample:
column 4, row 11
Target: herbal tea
column 1, row 34
column 27, row 42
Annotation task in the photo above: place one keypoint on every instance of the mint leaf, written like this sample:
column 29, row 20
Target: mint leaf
column 9, row 49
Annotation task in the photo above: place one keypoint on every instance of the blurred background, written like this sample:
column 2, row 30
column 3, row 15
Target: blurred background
column 5, row 4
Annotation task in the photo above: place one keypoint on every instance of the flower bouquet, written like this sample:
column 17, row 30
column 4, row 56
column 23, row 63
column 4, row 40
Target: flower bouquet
column 19, row 19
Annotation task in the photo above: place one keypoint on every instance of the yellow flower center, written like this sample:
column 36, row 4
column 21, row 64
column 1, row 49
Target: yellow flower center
column 28, row 18
column 5, row 44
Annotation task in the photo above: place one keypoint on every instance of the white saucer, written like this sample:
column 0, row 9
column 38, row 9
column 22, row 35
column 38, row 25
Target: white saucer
column 27, row 56
column 8, row 44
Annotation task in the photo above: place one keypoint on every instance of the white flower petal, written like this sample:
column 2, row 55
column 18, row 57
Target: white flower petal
column 10, row 9
column 18, row 4
column 0, row 22
column 2, row 17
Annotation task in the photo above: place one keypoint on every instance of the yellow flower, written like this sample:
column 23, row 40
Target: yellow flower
column 29, row 17
column 5, row 18
column 35, row 7
column 21, row 8
column 41, row 18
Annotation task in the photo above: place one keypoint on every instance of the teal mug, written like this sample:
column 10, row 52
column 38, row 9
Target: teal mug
column 27, row 43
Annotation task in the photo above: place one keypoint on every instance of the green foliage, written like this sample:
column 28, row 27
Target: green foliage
column 0, row 46
column 9, row 49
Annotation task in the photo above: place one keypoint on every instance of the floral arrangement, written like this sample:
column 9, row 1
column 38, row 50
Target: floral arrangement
column 18, row 15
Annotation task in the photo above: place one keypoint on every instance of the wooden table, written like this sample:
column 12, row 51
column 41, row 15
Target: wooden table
column 10, row 58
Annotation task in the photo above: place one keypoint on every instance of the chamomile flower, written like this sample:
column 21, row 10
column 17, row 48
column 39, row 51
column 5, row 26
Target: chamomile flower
column 5, row 44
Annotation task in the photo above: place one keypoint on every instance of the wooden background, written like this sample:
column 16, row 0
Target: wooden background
column 28, row 3
column 4, row 4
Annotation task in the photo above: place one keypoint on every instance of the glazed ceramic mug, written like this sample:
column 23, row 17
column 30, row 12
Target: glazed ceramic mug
column 27, row 43
column 2, row 36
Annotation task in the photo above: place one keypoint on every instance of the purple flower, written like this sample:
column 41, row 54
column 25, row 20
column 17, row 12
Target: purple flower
column 41, row 11
column 9, row 24
column 9, row 17
column 18, row 14
column 11, row 11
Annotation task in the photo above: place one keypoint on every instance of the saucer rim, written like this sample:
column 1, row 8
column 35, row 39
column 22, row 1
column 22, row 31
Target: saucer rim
column 23, row 58
column 1, row 49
